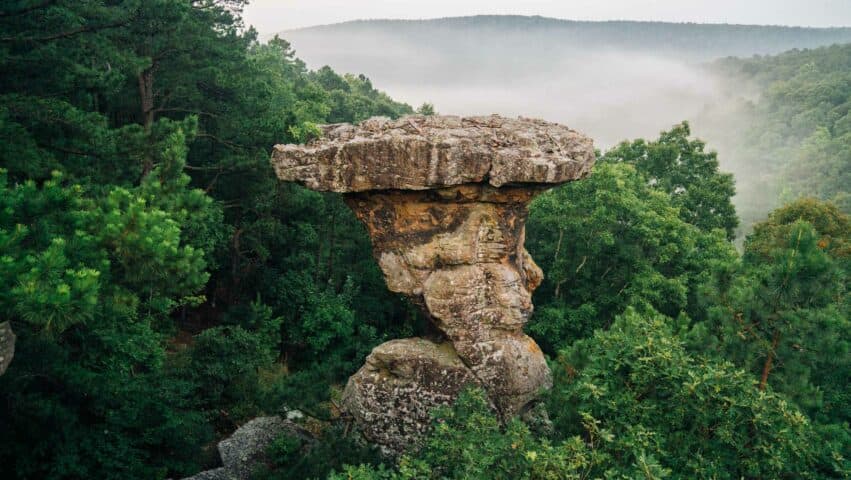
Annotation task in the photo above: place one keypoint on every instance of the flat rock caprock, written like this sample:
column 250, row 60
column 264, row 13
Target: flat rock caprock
column 445, row 201
column 421, row 153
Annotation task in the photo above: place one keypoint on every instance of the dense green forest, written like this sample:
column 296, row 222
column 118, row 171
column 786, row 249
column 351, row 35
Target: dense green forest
column 788, row 130
column 165, row 287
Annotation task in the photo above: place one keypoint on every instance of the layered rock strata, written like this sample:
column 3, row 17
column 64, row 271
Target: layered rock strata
column 445, row 200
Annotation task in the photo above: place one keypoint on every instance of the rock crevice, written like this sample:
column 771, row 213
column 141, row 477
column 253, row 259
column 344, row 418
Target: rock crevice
column 445, row 201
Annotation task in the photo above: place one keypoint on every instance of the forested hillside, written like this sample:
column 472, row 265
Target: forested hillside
column 165, row 287
column 502, row 32
column 785, row 127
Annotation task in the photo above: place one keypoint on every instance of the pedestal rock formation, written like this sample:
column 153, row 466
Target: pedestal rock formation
column 445, row 201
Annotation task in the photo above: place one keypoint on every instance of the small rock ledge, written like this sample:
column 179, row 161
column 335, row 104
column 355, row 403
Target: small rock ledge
column 246, row 448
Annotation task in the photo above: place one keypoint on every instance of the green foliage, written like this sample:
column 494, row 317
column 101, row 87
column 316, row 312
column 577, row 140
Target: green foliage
column 784, row 316
column 354, row 99
column 793, row 140
column 141, row 225
column 608, row 242
column 426, row 109
column 294, row 458
column 681, row 168
column 832, row 226
column 88, row 373
column 164, row 286
column 469, row 442
column 650, row 404
column 223, row 363
column 629, row 402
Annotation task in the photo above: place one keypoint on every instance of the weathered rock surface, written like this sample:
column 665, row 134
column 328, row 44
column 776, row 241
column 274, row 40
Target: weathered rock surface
column 243, row 450
column 220, row 473
column 402, row 381
column 445, row 202
column 7, row 346
column 458, row 252
column 246, row 448
column 420, row 153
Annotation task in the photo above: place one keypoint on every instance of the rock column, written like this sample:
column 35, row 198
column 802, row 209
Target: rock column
column 445, row 202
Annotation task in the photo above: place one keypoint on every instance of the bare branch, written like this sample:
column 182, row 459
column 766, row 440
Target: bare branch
column 186, row 110
column 22, row 11
column 66, row 34
column 221, row 141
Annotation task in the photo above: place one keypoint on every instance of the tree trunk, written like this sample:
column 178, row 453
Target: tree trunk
column 555, row 259
column 769, row 360
column 7, row 346
column 235, row 264
column 318, row 262
column 333, row 246
column 146, row 98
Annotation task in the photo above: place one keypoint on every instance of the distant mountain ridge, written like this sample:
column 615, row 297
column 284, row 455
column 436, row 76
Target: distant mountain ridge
column 539, row 19
column 707, row 40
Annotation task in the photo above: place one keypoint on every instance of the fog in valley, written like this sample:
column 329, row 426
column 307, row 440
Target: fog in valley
column 608, row 94
column 611, row 80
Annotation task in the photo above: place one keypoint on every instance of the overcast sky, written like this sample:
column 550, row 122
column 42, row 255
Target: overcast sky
column 270, row 16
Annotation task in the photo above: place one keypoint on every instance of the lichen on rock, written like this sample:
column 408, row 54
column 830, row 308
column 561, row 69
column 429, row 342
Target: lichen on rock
column 428, row 152
column 445, row 201
column 246, row 448
column 403, row 380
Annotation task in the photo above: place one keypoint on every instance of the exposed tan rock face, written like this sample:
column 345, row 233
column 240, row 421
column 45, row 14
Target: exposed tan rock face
column 458, row 252
column 423, row 153
column 445, row 201
column 7, row 346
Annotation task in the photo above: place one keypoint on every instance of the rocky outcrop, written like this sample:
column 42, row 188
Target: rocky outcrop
column 7, row 346
column 458, row 252
column 445, row 202
column 425, row 153
column 401, row 382
column 245, row 449
column 220, row 473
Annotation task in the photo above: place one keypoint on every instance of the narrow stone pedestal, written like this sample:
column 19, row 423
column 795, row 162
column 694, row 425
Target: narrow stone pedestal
column 445, row 201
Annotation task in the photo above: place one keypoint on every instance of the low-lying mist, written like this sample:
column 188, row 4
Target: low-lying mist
column 608, row 94
column 590, row 76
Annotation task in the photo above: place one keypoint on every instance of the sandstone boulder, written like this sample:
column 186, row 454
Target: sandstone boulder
column 402, row 381
column 427, row 152
column 458, row 252
column 220, row 473
column 245, row 449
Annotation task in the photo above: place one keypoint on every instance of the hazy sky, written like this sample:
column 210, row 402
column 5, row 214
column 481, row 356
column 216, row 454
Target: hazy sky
column 270, row 16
